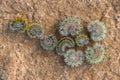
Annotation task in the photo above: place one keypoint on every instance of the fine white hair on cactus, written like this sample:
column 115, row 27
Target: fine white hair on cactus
column 69, row 26
column 94, row 54
column 65, row 42
column 97, row 30
column 73, row 58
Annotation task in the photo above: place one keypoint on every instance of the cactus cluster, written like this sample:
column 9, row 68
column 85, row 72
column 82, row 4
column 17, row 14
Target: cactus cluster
column 69, row 26
column 48, row 42
column 74, row 36
column 72, row 26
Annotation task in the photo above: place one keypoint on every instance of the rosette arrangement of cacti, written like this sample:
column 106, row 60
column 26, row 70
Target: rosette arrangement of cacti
column 75, row 44
column 74, row 58
column 18, row 24
column 35, row 30
column 97, row 30
column 48, row 42
column 94, row 54
column 63, row 44
column 69, row 26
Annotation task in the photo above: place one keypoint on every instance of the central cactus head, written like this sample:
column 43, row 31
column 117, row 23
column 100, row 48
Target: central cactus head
column 81, row 40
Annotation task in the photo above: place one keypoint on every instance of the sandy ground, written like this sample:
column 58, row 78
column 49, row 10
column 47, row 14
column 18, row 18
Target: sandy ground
column 21, row 58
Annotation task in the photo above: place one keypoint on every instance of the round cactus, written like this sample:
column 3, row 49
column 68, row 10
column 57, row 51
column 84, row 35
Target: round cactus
column 94, row 54
column 35, row 31
column 64, row 43
column 73, row 58
column 17, row 24
column 81, row 40
column 48, row 42
column 69, row 25
column 97, row 30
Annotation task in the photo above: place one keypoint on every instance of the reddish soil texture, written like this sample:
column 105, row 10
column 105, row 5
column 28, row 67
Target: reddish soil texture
column 21, row 58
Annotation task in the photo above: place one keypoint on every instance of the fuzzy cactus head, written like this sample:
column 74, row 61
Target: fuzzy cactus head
column 35, row 31
column 94, row 54
column 69, row 26
column 97, row 30
column 48, row 42
column 73, row 58
column 81, row 40
column 18, row 24
column 64, row 43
